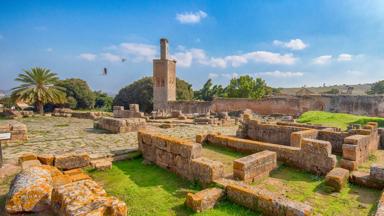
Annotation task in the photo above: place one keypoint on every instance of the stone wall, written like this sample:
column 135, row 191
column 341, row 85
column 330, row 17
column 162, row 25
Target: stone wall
column 288, row 105
column 120, row 125
column 180, row 156
column 19, row 131
column 335, row 138
column 87, row 115
column 133, row 112
column 265, row 201
column 313, row 156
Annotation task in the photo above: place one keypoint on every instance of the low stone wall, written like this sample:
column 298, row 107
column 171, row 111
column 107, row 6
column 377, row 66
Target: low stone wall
column 358, row 147
column 267, row 202
column 313, row 126
column 298, row 136
column 335, row 138
column 373, row 179
column 313, row 156
column 278, row 134
column 120, row 125
column 88, row 115
column 255, row 166
column 62, row 112
column 19, row 131
column 180, row 156
column 133, row 112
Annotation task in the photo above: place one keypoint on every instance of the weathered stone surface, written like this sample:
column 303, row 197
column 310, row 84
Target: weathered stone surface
column 337, row 178
column 19, row 131
column 255, row 166
column 364, row 179
column 120, row 125
column 46, row 159
column 85, row 198
column 102, row 164
column 267, row 202
column 72, row 161
column 30, row 163
column 30, row 191
column 206, row 171
column 205, row 199
column 27, row 157
column 348, row 164
column 377, row 172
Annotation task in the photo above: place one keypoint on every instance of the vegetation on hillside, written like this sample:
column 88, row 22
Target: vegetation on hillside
column 39, row 87
column 141, row 92
column 79, row 94
column 341, row 120
column 377, row 88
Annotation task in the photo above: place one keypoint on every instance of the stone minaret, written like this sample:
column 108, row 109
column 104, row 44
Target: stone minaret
column 164, row 78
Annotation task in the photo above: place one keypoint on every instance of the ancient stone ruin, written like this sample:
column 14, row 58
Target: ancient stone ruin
column 19, row 131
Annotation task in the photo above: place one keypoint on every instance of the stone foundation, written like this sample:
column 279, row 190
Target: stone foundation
column 88, row 115
column 180, row 156
column 267, row 202
column 313, row 156
column 255, row 166
column 337, row 178
column 120, row 125
column 133, row 112
column 62, row 112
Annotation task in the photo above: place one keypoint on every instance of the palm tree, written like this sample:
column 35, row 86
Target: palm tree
column 38, row 87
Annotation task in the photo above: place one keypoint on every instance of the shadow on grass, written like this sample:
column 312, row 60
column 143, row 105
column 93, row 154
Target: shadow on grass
column 96, row 131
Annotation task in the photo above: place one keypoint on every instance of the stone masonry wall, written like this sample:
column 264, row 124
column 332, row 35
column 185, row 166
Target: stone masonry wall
column 335, row 138
column 180, row 156
column 19, row 131
column 313, row 156
column 288, row 105
column 120, row 125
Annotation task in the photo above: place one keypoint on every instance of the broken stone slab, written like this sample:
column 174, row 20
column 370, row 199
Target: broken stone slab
column 124, row 150
column 72, row 161
column 337, row 178
column 365, row 180
column 206, row 171
column 30, row 191
column 377, row 172
column 26, row 157
column 204, row 200
column 85, row 198
column 101, row 164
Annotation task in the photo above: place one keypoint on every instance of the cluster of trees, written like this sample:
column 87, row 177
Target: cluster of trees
column 43, row 88
column 377, row 88
column 240, row 87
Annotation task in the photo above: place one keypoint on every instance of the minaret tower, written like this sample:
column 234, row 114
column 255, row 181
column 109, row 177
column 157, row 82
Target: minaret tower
column 164, row 78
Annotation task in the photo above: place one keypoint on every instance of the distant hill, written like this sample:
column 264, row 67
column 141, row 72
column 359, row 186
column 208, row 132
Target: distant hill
column 359, row 89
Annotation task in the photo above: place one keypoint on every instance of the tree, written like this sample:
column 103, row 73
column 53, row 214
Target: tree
column 141, row 92
column 377, row 88
column 247, row 87
column 103, row 100
column 210, row 91
column 38, row 87
column 79, row 90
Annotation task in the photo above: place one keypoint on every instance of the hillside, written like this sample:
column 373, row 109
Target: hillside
column 359, row 89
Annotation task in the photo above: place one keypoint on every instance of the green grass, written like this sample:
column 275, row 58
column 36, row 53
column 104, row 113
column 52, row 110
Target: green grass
column 305, row 187
column 341, row 120
column 150, row 190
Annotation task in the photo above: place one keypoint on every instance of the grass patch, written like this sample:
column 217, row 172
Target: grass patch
column 305, row 187
column 341, row 120
column 61, row 125
column 150, row 190
column 224, row 155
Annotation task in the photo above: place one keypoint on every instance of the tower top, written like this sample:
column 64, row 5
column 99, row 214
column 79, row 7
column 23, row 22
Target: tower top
column 163, row 48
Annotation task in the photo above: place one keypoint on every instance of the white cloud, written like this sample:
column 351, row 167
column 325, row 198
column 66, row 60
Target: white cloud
column 87, row 56
column 280, row 74
column 236, row 61
column 270, row 58
column 230, row 76
column 139, row 51
column 213, row 75
column 191, row 17
column 344, row 57
column 110, row 57
column 294, row 44
column 214, row 62
column 324, row 59
column 184, row 59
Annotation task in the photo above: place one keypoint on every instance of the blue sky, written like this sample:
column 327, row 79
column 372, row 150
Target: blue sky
column 287, row 43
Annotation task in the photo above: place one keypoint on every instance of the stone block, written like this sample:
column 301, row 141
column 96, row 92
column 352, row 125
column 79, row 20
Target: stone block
column 200, row 138
column 46, row 159
column 205, row 199
column 72, row 161
column 85, row 198
column 30, row 191
column 377, row 172
column 351, row 152
column 72, row 172
column 30, row 163
column 206, row 171
column 60, row 180
column 101, row 164
column 337, row 178
column 348, row 164
column 27, row 157
column 255, row 166
column 364, row 179
column 79, row 177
